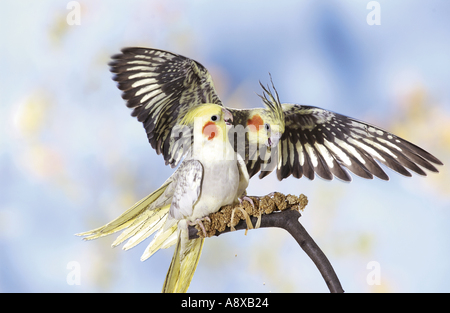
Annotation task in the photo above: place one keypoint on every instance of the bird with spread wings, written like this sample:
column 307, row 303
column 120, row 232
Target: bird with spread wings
column 161, row 86
column 164, row 88
column 207, row 179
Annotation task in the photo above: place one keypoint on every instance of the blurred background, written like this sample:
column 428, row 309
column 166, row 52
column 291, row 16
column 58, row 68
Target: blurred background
column 72, row 158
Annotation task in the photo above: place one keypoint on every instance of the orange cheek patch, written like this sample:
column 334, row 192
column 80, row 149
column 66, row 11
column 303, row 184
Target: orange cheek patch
column 210, row 130
column 256, row 121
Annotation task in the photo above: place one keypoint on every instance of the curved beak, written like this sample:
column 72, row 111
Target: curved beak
column 227, row 117
column 274, row 139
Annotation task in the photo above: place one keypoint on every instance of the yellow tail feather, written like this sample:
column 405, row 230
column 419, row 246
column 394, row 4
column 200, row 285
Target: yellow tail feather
column 184, row 262
column 127, row 218
column 162, row 240
column 143, row 226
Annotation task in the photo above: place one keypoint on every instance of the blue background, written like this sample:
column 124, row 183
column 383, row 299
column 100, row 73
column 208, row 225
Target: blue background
column 72, row 158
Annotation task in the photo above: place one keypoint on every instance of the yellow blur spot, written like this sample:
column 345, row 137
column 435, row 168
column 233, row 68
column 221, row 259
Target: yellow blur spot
column 30, row 116
column 42, row 162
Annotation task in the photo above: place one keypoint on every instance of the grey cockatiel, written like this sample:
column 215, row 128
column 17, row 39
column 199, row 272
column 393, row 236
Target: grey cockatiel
column 209, row 177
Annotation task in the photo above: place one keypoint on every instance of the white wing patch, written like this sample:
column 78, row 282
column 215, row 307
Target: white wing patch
column 312, row 155
column 377, row 145
column 145, row 81
column 301, row 156
column 188, row 178
column 142, row 74
column 339, row 153
column 326, row 154
column 365, row 147
column 390, row 144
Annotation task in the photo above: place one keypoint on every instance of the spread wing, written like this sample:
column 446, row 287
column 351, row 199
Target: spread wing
column 323, row 142
column 161, row 87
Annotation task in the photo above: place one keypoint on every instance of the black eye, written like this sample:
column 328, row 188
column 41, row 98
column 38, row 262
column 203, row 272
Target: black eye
column 267, row 126
column 214, row 118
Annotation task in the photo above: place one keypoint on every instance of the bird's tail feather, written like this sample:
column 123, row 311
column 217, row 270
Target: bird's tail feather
column 143, row 226
column 184, row 262
column 162, row 240
column 142, row 219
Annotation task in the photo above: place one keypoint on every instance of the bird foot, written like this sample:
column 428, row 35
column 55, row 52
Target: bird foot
column 246, row 216
column 241, row 200
column 199, row 222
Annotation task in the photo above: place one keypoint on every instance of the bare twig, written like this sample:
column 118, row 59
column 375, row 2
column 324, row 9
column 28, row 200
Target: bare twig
column 287, row 218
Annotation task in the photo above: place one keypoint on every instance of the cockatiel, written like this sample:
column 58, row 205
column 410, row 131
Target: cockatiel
column 160, row 85
column 210, row 176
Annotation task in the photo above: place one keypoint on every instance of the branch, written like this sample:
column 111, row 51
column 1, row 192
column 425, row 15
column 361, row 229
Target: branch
column 276, row 210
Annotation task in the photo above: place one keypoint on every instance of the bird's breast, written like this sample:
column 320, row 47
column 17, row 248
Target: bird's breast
column 219, row 187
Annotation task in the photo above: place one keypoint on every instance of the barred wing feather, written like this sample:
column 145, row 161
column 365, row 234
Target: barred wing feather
column 161, row 87
column 317, row 141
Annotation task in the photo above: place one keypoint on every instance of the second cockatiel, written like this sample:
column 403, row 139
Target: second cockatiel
column 162, row 87
column 210, row 177
column 159, row 85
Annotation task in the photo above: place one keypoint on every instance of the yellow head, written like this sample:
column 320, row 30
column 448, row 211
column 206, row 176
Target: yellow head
column 264, row 128
column 212, row 119
column 268, row 122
